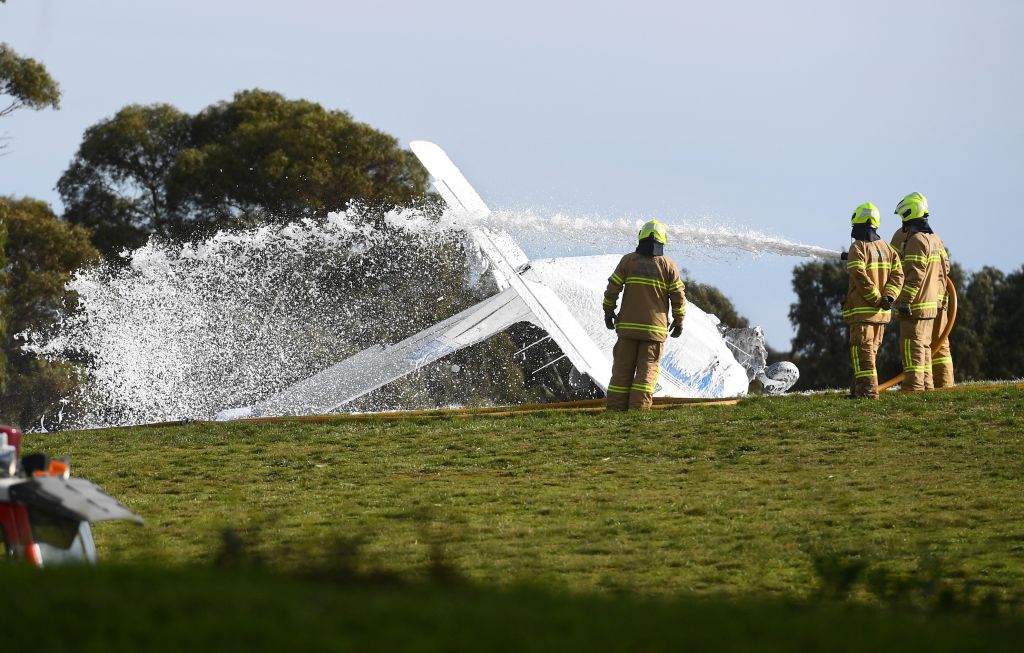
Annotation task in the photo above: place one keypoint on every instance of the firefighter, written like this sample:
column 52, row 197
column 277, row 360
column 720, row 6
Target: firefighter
column 876, row 277
column 921, row 307
column 651, row 282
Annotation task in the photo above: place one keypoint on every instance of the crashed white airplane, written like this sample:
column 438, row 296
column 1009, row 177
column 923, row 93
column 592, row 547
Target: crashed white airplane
column 706, row 361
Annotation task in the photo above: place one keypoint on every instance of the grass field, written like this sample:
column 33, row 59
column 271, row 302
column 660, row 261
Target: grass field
column 909, row 503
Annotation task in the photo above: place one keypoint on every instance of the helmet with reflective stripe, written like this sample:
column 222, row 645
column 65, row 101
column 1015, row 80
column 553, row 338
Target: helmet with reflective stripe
column 867, row 213
column 656, row 229
column 912, row 207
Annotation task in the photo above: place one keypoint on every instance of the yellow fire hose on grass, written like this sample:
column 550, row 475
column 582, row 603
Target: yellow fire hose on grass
column 942, row 336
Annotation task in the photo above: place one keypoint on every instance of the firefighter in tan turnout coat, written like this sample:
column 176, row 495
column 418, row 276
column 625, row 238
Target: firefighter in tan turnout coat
column 922, row 306
column 652, row 287
column 876, row 277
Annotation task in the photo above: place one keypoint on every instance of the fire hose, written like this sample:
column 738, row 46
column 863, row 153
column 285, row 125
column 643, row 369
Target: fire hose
column 951, row 307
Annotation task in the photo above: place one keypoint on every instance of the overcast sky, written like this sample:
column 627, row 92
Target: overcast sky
column 779, row 116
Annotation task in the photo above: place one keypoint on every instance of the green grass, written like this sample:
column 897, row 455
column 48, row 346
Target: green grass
column 797, row 523
column 733, row 501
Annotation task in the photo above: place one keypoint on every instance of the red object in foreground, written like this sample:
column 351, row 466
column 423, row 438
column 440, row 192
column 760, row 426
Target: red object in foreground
column 45, row 512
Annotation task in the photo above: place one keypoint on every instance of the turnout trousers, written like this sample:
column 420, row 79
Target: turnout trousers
column 865, row 338
column 635, row 365
column 942, row 361
column 916, row 352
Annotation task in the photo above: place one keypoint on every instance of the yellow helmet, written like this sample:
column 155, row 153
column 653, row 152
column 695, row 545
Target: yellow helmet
column 867, row 213
column 912, row 206
column 656, row 229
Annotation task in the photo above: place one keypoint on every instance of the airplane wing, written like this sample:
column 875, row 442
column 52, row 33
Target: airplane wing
column 379, row 365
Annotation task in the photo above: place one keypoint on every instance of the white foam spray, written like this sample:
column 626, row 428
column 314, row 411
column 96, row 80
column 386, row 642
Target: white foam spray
column 568, row 235
column 185, row 331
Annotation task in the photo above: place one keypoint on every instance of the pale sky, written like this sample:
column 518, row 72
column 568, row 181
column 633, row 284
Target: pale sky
column 778, row 116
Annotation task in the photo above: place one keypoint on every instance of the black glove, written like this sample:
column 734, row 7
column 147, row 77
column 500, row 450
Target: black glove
column 903, row 309
column 844, row 256
column 677, row 329
column 609, row 320
column 886, row 303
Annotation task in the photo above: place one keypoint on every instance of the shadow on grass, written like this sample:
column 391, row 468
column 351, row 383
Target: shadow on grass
column 850, row 578
column 929, row 587
column 340, row 560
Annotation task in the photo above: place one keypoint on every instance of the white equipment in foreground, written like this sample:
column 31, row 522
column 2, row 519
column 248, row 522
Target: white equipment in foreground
column 561, row 296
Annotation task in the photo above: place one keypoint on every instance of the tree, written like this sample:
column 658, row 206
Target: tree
column 261, row 156
column 985, row 340
column 116, row 186
column 26, row 83
column 258, row 158
column 820, row 347
column 712, row 300
column 42, row 252
column 3, row 293
column 971, row 337
column 1006, row 347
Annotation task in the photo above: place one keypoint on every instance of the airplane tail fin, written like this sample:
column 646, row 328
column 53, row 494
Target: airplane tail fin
column 504, row 257
column 449, row 180
column 508, row 262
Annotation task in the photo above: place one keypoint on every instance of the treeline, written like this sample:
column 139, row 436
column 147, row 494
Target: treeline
column 38, row 253
column 986, row 340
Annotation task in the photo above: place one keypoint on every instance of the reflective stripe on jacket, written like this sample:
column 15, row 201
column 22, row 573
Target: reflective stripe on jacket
column 652, row 286
column 875, row 272
column 925, row 268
